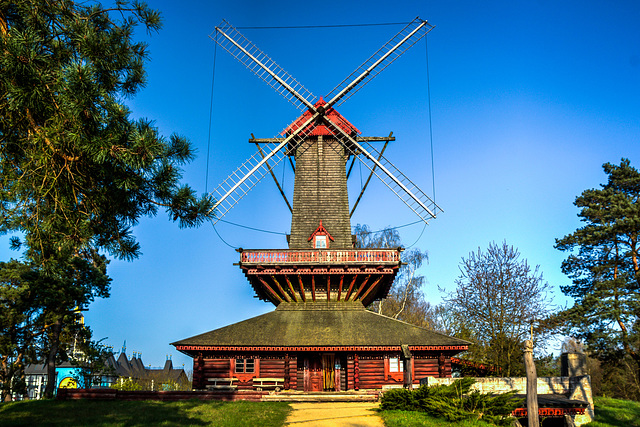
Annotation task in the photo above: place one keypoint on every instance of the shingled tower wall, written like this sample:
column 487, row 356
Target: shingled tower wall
column 320, row 193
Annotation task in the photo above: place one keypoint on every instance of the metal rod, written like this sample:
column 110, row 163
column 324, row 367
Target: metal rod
column 355, row 205
column 264, row 160
column 380, row 165
column 275, row 179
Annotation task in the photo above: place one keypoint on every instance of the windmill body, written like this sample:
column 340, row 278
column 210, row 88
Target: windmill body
column 320, row 187
column 320, row 337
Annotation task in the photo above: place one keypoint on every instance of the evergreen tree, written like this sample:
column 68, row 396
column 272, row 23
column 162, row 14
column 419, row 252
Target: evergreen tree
column 76, row 171
column 603, row 265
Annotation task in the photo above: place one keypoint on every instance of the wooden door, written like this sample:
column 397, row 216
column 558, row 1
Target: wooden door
column 313, row 373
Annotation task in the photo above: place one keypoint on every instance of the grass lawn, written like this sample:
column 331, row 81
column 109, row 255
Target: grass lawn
column 609, row 413
column 616, row 412
column 142, row 413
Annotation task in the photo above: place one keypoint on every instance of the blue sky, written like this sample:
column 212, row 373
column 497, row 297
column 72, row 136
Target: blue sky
column 528, row 100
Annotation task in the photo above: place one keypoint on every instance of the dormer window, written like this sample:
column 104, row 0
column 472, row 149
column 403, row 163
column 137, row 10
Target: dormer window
column 320, row 242
column 320, row 237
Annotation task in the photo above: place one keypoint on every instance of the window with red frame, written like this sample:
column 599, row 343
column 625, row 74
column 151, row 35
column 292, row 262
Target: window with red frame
column 245, row 366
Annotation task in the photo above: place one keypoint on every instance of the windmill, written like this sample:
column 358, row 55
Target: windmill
column 320, row 336
column 321, row 140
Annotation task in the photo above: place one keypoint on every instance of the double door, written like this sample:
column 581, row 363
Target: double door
column 320, row 373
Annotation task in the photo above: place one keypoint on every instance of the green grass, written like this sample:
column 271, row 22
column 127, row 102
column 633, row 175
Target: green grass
column 615, row 412
column 609, row 413
column 142, row 413
column 416, row 419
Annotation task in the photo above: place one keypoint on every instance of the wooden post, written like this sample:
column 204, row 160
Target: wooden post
column 533, row 419
column 356, row 373
column 442, row 367
column 287, row 372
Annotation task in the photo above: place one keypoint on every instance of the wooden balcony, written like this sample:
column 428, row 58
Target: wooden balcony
column 319, row 256
column 320, row 274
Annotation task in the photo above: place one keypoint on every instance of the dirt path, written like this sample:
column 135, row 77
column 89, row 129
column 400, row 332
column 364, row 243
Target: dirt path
column 345, row 414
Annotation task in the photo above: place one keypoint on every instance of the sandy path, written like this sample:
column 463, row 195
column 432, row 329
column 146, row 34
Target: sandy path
column 347, row 414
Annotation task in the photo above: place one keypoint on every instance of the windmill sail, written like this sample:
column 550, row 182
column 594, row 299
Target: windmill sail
column 377, row 62
column 240, row 182
column 259, row 63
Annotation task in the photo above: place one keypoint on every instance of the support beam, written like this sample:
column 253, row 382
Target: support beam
column 267, row 287
column 276, row 179
column 340, row 286
column 329, row 288
column 364, row 187
column 284, row 294
column 313, row 287
column 361, row 287
column 304, row 297
column 293, row 293
column 353, row 281
column 372, row 287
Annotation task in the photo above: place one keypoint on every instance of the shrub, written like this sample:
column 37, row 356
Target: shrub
column 454, row 402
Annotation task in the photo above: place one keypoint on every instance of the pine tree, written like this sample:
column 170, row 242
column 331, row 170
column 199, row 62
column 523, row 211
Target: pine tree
column 76, row 171
column 603, row 263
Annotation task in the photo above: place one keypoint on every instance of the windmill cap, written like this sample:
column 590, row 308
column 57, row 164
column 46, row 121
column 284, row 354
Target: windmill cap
column 320, row 128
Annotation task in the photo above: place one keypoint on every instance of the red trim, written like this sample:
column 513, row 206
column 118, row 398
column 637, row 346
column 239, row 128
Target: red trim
column 321, row 129
column 316, row 270
column 320, row 231
column 550, row 412
column 333, row 256
column 319, row 348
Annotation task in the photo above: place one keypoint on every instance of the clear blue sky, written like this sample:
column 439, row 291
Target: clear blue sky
column 528, row 100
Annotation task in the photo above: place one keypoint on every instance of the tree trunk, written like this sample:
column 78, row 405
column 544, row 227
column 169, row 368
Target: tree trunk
column 54, row 341
column 5, row 377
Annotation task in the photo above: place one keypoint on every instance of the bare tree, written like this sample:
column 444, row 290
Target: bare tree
column 501, row 299
column 405, row 300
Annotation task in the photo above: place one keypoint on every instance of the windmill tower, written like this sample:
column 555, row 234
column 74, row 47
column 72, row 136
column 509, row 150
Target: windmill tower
column 321, row 285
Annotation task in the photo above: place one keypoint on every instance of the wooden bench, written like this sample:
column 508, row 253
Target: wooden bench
column 268, row 383
column 222, row 384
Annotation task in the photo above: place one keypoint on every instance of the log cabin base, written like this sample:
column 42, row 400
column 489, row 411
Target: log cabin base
column 319, row 347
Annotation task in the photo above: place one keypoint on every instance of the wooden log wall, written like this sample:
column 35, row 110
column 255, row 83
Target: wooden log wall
column 429, row 367
column 371, row 373
column 271, row 368
column 423, row 368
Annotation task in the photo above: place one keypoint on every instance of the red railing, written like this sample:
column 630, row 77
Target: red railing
column 319, row 256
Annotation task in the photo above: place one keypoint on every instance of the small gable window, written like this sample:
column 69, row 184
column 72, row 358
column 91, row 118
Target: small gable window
column 321, row 237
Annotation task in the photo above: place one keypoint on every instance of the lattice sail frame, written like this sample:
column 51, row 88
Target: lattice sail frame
column 243, row 179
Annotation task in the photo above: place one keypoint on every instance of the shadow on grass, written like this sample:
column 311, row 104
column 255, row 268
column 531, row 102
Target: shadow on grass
column 141, row 413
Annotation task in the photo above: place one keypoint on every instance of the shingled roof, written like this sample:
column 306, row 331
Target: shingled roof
column 321, row 324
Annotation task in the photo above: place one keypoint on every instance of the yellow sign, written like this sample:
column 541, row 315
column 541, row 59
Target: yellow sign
column 68, row 382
